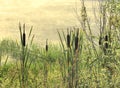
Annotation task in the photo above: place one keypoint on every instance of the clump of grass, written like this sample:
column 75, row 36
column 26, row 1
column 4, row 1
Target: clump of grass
column 69, row 64
column 24, row 57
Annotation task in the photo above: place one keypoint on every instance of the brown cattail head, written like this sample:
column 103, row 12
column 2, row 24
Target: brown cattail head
column 68, row 39
column 100, row 40
column 106, row 38
column 24, row 39
column 24, row 36
column 76, row 39
column 106, row 41
column 76, row 43
column 106, row 44
column 46, row 45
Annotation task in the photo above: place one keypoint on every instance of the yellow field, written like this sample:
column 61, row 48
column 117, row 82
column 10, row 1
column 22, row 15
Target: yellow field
column 44, row 15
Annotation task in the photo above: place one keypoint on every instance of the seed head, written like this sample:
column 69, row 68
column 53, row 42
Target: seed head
column 46, row 45
column 76, row 43
column 68, row 39
column 24, row 39
column 106, row 41
column 106, row 38
column 100, row 40
column 24, row 36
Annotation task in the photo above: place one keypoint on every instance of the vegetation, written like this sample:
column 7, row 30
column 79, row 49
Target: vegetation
column 81, row 60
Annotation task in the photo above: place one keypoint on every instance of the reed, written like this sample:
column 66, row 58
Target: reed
column 46, row 67
column 68, row 38
column 24, row 57
column 71, row 57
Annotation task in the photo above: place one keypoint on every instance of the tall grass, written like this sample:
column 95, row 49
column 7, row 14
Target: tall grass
column 69, row 62
column 23, row 58
column 106, row 42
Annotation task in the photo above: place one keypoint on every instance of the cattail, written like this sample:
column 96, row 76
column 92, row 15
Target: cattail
column 24, row 36
column 47, row 45
column 76, row 43
column 68, row 40
column 100, row 40
column 76, row 40
column 106, row 41
column 106, row 38
column 106, row 45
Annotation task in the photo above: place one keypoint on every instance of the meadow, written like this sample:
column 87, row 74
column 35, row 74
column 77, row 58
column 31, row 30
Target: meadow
column 81, row 59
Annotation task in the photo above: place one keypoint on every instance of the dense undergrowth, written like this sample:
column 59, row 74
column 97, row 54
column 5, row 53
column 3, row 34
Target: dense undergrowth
column 81, row 60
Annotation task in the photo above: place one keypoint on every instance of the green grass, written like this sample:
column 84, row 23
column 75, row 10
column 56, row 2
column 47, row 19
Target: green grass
column 91, row 69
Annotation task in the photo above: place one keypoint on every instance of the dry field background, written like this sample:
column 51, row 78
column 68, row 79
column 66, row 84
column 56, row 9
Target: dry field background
column 44, row 15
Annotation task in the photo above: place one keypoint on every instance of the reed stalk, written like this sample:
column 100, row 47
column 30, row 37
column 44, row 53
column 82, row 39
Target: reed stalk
column 24, row 56
column 46, row 66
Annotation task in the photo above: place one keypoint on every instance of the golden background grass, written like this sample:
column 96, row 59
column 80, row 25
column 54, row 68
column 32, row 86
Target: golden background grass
column 44, row 15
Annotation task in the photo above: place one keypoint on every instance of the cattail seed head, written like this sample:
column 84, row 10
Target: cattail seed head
column 106, row 45
column 24, row 39
column 68, row 40
column 100, row 40
column 46, row 45
column 106, row 38
column 106, row 41
column 24, row 36
column 76, row 43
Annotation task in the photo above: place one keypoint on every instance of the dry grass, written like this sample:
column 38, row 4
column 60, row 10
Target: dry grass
column 56, row 14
